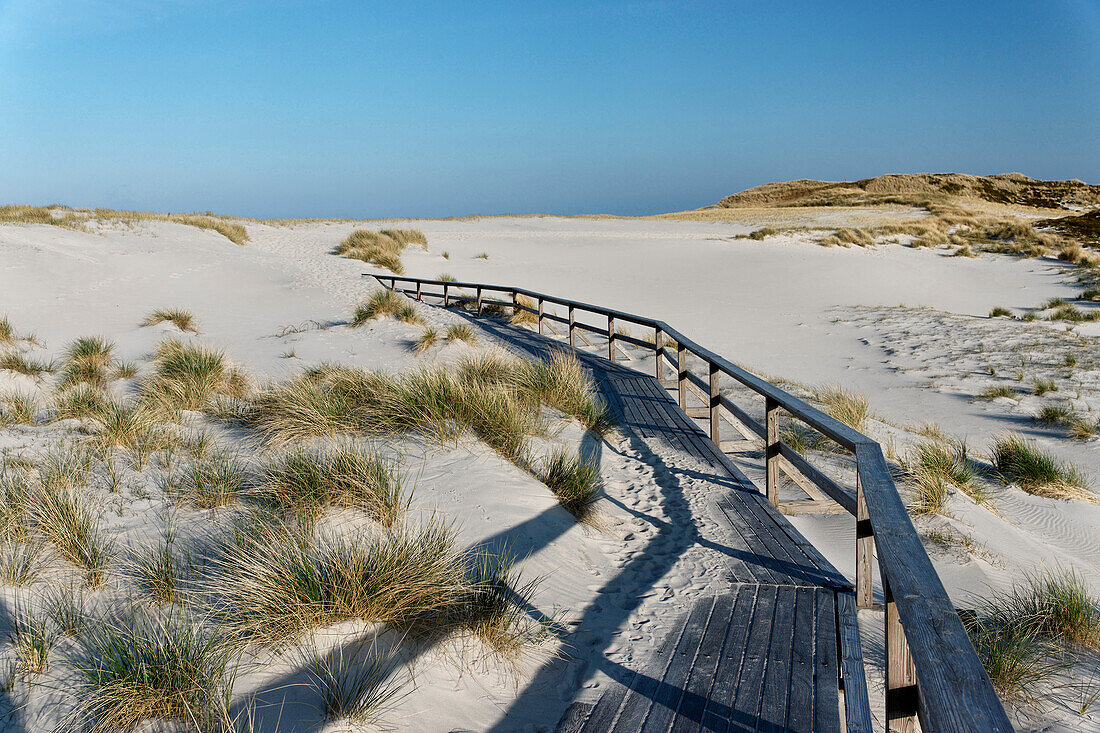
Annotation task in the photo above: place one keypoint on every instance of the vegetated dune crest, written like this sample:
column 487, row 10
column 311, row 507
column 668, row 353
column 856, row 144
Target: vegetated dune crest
column 913, row 188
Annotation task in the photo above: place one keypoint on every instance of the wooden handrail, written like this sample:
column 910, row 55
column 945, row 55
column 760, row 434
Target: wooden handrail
column 932, row 669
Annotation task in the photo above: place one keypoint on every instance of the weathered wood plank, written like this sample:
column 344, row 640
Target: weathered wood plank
column 826, row 665
column 857, row 705
column 702, row 678
column 777, row 667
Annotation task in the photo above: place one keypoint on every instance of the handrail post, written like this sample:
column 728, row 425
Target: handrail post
column 479, row 300
column 902, row 698
column 681, row 375
column 865, row 547
column 540, row 314
column 659, row 353
column 771, row 452
column 419, row 287
column 446, row 295
column 611, row 338
column 572, row 328
column 715, row 400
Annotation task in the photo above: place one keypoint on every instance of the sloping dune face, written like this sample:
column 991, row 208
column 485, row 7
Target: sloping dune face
column 1008, row 188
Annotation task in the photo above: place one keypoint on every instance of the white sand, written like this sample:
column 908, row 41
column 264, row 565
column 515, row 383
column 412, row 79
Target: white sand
column 783, row 306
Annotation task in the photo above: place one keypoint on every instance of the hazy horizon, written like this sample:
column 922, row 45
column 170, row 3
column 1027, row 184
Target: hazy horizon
column 334, row 109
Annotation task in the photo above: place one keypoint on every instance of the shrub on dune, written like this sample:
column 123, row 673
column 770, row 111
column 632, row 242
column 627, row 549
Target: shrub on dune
column 1036, row 471
column 380, row 303
column 934, row 466
column 138, row 665
column 63, row 517
column 407, row 314
column 521, row 316
column 188, row 376
column 494, row 607
column 849, row 408
column 117, row 423
column 306, row 481
column 354, row 684
column 87, row 360
column 376, row 248
column 1056, row 605
column 1015, row 659
column 181, row 319
column 159, row 570
column 575, row 482
column 218, row 478
column 18, row 408
column 33, row 640
column 273, row 583
column 302, row 408
column 461, row 332
column 427, row 339
column 22, row 364
column 7, row 331
column 407, row 236
column 19, row 562
column 81, row 401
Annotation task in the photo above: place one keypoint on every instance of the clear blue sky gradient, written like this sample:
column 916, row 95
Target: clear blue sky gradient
column 444, row 108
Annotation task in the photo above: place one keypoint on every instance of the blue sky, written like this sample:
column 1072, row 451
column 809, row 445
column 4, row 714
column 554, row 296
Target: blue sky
column 442, row 108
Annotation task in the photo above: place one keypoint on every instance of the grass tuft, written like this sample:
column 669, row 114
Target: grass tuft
column 992, row 393
column 999, row 311
column 271, row 582
column 33, row 638
column 849, row 408
column 575, row 482
column 217, row 478
column 1036, row 471
column 355, row 683
column 377, row 248
column 138, row 666
column 188, row 376
column 427, row 339
column 461, row 332
column 20, row 563
column 307, row 481
column 380, row 303
column 22, row 364
column 181, row 319
column 87, row 360
column 18, row 408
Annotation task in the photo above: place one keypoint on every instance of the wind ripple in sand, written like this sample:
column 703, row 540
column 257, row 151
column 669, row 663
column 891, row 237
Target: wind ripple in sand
column 1069, row 526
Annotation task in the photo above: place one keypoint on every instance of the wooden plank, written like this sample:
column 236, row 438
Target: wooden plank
column 727, row 675
column 788, row 565
column 810, row 506
column 857, row 705
column 666, row 703
column 800, row 708
column 751, row 556
column 648, row 685
column 777, row 668
column 789, row 538
column 771, row 451
column 826, row 665
column 745, row 705
column 702, row 678
column 740, row 446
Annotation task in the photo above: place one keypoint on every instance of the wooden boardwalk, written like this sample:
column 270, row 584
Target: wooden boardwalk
column 760, row 655
column 764, row 656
